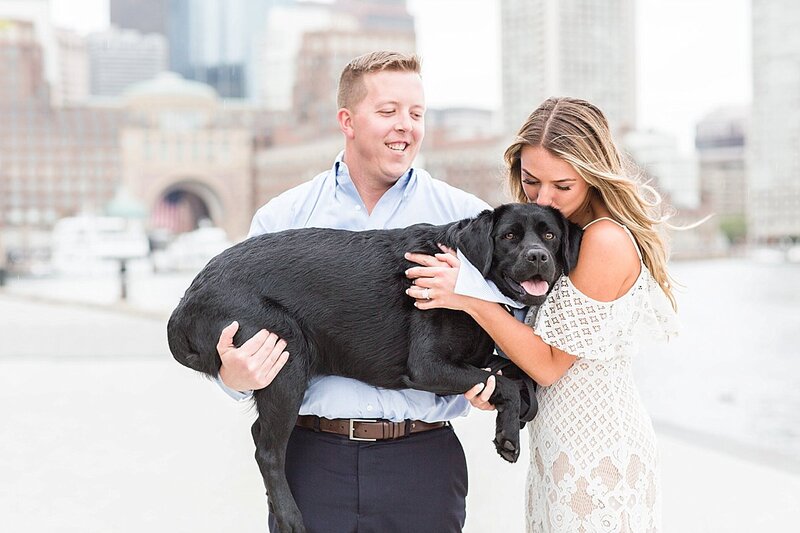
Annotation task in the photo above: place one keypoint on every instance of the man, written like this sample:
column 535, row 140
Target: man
column 414, row 483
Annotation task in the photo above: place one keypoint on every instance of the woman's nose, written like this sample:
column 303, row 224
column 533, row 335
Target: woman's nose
column 543, row 198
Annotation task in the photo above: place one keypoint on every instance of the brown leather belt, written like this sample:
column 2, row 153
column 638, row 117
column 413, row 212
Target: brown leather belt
column 367, row 429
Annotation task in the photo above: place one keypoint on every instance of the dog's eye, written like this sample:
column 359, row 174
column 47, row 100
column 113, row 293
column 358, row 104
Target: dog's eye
column 549, row 236
column 509, row 236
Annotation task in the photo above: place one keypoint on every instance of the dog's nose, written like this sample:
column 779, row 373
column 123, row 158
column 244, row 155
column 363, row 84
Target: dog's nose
column 536, row 255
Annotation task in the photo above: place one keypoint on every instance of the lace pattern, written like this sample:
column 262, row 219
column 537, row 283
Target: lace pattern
column 594, row 461
column 571, row 321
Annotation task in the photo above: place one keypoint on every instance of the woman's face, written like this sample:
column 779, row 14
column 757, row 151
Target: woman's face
column 550, row 181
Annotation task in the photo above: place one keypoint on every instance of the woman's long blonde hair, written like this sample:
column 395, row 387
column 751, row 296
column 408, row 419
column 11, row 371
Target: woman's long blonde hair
column 577, row 132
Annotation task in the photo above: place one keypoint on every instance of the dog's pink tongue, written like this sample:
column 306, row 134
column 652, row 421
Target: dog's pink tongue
column 536, row 288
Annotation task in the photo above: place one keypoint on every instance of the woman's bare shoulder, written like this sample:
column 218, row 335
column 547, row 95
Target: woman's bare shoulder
column 607, row 263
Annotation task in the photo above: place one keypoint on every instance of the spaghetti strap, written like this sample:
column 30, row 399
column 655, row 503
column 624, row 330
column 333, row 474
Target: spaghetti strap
column 623, row 226
column 602, row 218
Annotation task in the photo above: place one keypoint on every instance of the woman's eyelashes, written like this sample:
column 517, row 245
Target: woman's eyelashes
column 536, row 184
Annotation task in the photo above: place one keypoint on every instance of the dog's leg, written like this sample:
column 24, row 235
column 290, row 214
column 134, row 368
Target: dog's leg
column 431, row 373
column 278, row 405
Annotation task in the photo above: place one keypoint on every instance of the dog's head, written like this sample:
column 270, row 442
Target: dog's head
column 522, row 248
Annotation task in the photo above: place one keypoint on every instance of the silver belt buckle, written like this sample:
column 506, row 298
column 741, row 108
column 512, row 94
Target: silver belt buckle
column 352, row 430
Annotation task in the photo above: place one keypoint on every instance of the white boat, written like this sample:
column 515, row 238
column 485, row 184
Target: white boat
column 191, row 251
column 88, row 244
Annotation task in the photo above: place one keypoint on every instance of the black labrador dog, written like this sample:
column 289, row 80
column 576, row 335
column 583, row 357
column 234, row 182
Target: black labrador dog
column 337, row 297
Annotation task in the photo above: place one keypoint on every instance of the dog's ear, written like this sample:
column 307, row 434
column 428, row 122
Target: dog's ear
column 475, row 241
column 570, row 244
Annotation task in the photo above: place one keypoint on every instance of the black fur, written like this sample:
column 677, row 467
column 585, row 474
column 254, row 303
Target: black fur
column 337, row 297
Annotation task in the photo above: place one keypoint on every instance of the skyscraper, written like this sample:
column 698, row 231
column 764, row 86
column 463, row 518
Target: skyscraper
column 215, row 41
column 309, row 44
column 580, row 48
column 21, row 55
column 37, row 12
column 774, row 142
column 277, row 56
column 720, row 140
column 145, row 16
column 323, row 54
column 73, row 63
column 120, row 58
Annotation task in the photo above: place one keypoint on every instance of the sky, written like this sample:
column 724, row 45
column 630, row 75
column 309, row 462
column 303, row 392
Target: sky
column 692, row 55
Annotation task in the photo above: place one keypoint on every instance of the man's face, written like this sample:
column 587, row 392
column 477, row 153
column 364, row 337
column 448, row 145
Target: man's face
column 386, row 128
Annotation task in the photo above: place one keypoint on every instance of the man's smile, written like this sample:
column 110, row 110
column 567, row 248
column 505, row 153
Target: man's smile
column 398, row 146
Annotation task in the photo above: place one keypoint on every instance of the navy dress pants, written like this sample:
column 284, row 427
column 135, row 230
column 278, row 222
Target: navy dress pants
column 416, row 484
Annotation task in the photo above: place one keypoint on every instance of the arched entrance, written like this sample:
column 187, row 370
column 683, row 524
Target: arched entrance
column 184, row 207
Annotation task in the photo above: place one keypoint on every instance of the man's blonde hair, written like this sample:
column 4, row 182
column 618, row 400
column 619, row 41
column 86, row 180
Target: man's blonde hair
column 351, row 83
column 577, row 132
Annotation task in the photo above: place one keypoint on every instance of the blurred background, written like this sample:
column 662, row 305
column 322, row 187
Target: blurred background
column 138, row 137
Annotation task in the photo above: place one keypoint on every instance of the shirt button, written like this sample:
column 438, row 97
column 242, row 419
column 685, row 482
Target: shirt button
column 369, row 407
column 358, row 208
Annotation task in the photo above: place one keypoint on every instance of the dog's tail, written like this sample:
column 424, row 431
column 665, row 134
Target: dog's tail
column 188, row 353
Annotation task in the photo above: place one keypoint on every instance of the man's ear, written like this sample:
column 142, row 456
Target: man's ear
column 345, row 119
column 475, row 241
column 570, row 244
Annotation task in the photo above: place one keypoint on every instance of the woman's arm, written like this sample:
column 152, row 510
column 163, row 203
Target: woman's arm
column 543, row 363
column 608, row 265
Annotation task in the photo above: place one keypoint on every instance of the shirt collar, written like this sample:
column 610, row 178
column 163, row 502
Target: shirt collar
column 342, row 175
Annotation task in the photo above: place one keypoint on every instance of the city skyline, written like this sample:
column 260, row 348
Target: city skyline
column 692, row 56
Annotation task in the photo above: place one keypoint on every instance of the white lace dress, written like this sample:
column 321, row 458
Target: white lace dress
column 594, row 462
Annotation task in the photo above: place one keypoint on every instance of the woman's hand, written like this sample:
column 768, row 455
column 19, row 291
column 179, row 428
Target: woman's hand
column 435, row 280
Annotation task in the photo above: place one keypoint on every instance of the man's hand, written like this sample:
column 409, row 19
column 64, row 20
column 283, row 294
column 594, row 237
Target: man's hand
column 479, row 395
column 255, row 363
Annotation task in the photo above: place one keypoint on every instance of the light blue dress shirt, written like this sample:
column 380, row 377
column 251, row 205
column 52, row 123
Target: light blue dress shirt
column 331, row 200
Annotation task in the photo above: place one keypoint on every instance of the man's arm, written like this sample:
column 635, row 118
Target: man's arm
column 255, row 363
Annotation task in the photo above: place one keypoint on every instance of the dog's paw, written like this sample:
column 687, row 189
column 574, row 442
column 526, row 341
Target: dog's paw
column 508, row 448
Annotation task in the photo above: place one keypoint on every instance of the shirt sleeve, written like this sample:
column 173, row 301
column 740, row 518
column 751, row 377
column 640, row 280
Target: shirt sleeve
column 264, row 221
column 572, row 322
column 239, row 396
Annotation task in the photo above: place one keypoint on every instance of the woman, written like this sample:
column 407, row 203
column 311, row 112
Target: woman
column 594, row 463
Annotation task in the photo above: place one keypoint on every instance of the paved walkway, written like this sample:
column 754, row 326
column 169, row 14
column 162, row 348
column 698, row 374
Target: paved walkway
column 103, row 432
